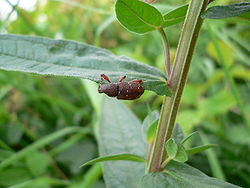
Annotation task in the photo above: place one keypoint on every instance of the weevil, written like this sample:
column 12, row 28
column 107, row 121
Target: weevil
column 122, row 90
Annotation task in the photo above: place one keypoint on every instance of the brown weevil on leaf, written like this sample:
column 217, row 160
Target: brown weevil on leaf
column 122, row 90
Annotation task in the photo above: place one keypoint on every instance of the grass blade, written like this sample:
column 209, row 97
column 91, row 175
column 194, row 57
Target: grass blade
column 38, row 144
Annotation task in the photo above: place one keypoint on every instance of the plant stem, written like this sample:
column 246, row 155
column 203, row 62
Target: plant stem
column 166, row 51
column 185, row 50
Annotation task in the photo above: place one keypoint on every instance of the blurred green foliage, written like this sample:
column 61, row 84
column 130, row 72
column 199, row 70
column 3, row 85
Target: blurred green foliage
column 32, row 107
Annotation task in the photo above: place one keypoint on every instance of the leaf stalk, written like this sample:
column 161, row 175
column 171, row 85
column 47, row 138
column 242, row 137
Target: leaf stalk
column 164, row 163
column 166, row 51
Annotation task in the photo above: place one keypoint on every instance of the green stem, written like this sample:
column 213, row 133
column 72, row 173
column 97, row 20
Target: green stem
column 166, row 51
column 229, row 77
column 170, row 106
column 164, row 163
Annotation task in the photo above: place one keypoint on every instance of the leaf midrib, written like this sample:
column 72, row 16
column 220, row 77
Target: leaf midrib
column 62, row 65
column 50, row 42
column 125, row 146
column 173, row 19
column 155, row 27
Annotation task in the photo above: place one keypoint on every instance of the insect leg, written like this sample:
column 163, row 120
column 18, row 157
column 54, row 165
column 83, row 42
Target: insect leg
column 140, row 81
column 103, row 76
column 121, row 78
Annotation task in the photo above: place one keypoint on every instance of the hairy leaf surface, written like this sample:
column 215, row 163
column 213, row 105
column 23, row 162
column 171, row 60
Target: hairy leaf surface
column 120, row 132
column 68, row 58
column 218, row 12
column 182, row 175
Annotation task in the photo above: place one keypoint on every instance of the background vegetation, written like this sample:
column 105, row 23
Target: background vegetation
column 40, row 116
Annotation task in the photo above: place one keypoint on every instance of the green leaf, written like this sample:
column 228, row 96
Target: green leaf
column 120, row 132
column 171, row 148
column 68, row 58
column 38, row 144
column 137, row 16
column 213, row 160
column 178, row 133
column 181, row 155
column 15, row 175
column 5, row 153
column 198, row 149
column 180, row 175
column 237, row 134
column 124, row 156
column 189, row 136
column 41, row 182
column 218, row 12
column 175, row 16
column 157, row 86
column 245, row 16
column 192, row 116
column 151, row 132
column 74, row 155
column 90, row 178
column 149, row 126
column 227, row 53
column 33, row 159
column 220, row 103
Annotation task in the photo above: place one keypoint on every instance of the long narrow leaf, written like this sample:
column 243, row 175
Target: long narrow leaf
column 189, row 136
column 68, row 58
column 218, row 12
column 198, row 149
column 213, row 160
column 38, row 144
column 124, row 156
